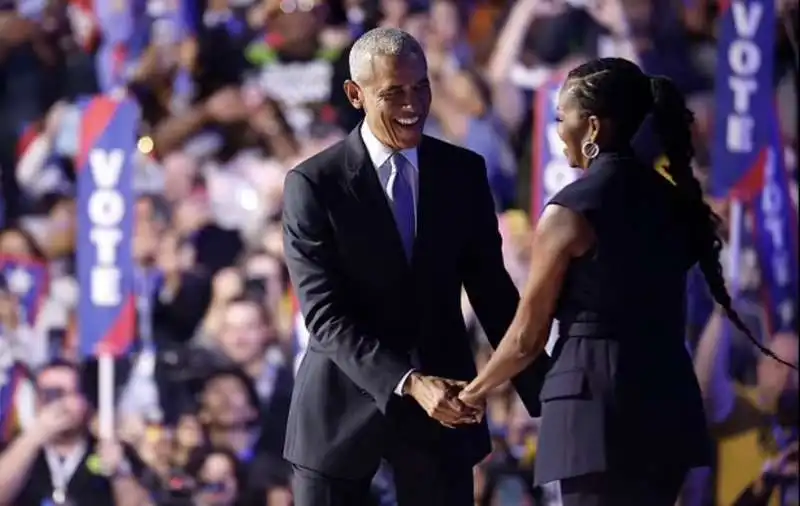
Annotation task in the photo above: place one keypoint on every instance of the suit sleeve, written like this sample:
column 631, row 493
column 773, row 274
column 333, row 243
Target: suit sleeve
column 491, row 292
column 317, row 278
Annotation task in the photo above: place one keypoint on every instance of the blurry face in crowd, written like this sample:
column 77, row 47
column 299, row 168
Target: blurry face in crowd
column 188, row 433
column 244, row 333
column 15, row 244
column 273, row 240
column 396, row 99
column 172, row 255
column 574, row 128
column 217, row 483
column 156, row 447
column 299, row 22
column 9, row 308
column 269, row 269
column 417, row 25
column 226, row 403
column 445, row 22
column 394, row 10
column 60, row 386
column 279, row 496
column 146, row 212
column 775, row 378
column 463, row 90
column 179, row 173
column 60, row 238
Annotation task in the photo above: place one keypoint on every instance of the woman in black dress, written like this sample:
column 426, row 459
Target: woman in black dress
column 622, row 417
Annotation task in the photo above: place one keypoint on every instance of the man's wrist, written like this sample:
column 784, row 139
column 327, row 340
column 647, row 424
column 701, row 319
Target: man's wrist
column 408, row 384
column 123, row 470
column 35, row 437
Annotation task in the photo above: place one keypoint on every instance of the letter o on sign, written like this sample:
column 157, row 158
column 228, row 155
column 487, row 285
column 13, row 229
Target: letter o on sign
column 106, row 208
column 744, row 57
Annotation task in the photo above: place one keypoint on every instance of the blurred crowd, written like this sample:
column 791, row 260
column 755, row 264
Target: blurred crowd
column 234, row 93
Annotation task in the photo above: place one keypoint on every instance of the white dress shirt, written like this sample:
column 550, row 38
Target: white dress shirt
column 379, row 155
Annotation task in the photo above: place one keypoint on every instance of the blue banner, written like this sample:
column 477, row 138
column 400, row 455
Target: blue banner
column 116, row 21
column 775, row 234
column 28, row 280
column 106, row 199
column 13, row 377
column 550, row 171
column 744, row 97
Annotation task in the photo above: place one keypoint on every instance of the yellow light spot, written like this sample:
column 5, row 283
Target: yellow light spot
column 93, row 464
column 145, row 145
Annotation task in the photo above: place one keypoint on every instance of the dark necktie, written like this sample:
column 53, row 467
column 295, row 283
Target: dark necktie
column 402, row 200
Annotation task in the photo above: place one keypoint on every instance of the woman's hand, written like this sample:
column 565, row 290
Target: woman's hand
column 474, row 401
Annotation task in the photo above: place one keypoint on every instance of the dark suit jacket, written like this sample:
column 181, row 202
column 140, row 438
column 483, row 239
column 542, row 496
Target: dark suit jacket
column 368, row 310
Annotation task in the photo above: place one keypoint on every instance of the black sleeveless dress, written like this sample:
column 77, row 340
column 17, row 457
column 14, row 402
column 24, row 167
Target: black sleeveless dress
column 621, row 396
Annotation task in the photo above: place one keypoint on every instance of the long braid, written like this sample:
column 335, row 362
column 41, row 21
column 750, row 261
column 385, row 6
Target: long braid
column 673, row 122
column 618, row 89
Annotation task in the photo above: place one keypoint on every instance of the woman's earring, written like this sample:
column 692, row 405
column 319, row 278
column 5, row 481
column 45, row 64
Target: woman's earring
column 590, row 150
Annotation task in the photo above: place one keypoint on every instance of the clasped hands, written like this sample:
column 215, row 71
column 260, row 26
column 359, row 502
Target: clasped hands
column 445, row 400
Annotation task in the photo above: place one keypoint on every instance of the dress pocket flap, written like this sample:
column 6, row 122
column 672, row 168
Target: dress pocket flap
column 563, row 385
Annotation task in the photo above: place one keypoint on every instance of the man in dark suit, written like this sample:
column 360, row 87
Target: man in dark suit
column 380, row 233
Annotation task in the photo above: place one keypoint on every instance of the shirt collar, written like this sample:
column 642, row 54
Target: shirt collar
column 380, row 153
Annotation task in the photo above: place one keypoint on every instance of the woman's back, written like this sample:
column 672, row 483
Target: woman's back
column 621, row 315
column 634, row 277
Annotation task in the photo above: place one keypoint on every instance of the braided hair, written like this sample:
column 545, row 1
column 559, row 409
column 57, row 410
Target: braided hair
column 617, row 89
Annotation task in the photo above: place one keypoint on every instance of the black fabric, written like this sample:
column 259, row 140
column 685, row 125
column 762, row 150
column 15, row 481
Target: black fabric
column 87, row 487
column 603, row 489
column 369, row 311
column 621, row 395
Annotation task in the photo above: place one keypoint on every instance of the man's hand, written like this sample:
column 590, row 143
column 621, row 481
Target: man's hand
column 53, row 419
column 439, row 398
column 111, row 456
column 474, row 402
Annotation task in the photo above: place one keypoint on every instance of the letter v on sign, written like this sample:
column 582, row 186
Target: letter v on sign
column 106, row 166
column 746, row 17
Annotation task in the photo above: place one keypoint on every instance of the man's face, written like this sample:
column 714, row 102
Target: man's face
column 60, row 385
column 396, row 99
column 226, row 403
column 12, row 243
column 244, row 334
column 217, row 481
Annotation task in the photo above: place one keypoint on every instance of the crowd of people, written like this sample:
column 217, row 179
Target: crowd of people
column 234, row 93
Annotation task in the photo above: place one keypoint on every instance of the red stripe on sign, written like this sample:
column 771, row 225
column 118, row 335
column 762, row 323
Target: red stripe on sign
column 120, row 336
column 96, row 118
column 30, row 134
column 753, row 181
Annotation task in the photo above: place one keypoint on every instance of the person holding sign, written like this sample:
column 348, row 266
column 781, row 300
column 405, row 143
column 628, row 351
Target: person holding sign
column 57, row 461
column 622, row 414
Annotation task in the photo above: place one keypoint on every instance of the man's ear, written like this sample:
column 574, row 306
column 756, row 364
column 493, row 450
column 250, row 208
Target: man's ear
column 354, row 94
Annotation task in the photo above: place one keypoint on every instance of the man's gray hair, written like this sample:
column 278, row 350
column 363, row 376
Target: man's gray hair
column 380, row 42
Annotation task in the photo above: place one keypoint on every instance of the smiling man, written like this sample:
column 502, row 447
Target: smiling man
column 380, row 233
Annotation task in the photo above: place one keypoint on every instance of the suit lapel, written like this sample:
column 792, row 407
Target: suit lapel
column 378, row 220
